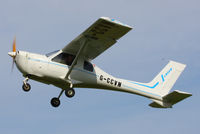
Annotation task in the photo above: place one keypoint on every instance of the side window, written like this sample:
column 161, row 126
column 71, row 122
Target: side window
column 64, row 58
column 88, row 66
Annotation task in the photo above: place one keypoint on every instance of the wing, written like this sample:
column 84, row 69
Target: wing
column 99, row 36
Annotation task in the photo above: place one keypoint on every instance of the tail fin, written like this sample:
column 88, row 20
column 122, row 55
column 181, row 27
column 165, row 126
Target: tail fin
column 167, row 77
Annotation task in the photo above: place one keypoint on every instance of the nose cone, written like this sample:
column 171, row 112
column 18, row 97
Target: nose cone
column 12, row 54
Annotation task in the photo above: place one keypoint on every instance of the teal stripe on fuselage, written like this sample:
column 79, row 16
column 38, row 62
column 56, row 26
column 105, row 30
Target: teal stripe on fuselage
column 141, row 90
column 152, row 87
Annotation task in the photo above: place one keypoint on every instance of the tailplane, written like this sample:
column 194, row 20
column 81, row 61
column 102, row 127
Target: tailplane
column 170, row 99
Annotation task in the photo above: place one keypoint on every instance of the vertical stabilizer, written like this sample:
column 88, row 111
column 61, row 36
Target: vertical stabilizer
column 167, row 77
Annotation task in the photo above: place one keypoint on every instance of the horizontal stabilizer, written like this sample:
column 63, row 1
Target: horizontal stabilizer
column 170, row 99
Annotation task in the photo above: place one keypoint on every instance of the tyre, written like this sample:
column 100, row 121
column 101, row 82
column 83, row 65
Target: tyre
column 70, row 92
column 26, row 87
column 55, row 102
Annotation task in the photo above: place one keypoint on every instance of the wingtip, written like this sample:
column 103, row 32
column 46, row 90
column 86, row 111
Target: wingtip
column 116, row 22
column 186, row 93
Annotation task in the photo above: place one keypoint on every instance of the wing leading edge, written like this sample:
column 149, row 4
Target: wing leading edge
column 99, row 36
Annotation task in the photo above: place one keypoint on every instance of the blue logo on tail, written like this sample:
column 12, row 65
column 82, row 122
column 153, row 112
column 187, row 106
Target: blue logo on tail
column 163, row 76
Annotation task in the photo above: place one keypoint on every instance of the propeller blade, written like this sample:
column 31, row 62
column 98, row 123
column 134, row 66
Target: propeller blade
column 13, row 64
column 14, row 45
column 13, row 54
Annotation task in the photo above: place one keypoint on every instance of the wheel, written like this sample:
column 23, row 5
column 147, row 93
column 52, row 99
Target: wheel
column 70, row 92
column 55, row 102
column 26, row 87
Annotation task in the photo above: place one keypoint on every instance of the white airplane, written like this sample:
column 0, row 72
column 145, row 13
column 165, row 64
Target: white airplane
column 71, row 67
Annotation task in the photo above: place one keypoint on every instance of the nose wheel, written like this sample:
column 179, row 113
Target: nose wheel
column 26, row 86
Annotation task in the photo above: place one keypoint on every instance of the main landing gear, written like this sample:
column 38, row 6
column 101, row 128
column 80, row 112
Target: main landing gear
column 55, row 102
column 26, row 86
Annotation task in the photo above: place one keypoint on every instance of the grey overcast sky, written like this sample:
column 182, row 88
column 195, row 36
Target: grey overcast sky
column 163, row 30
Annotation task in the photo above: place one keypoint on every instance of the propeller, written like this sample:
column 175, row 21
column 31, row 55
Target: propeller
column 13, row 53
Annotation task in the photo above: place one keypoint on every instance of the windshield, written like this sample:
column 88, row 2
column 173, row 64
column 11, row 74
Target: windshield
column 64, row 58
column 51, row 53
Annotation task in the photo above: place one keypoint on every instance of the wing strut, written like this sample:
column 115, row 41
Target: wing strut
column 83, row 44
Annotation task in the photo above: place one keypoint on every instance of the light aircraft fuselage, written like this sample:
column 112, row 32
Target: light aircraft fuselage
column 41, row 68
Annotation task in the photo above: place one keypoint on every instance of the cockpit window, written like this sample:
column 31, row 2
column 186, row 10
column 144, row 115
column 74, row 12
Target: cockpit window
column 88, row 66
column 51, row 53
column 64, row 58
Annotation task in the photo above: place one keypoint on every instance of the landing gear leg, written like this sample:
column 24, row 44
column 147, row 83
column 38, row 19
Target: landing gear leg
column 26, row 86
column 55, row 102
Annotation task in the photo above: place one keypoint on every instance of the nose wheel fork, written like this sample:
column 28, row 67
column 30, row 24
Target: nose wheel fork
column 26, row 86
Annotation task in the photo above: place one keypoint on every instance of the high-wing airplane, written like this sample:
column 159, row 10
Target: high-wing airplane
column 71, row 67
